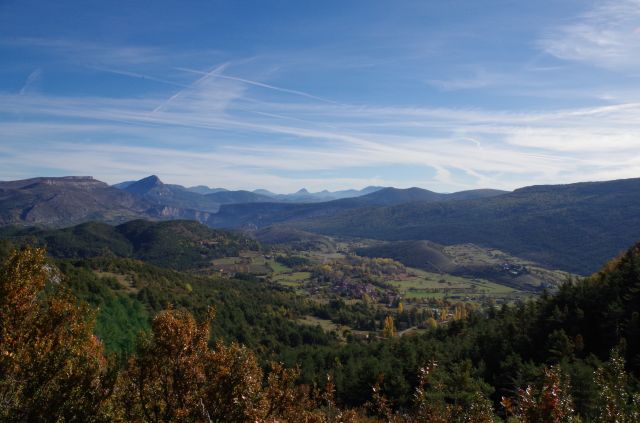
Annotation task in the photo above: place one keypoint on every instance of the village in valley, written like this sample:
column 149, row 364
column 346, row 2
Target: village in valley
column 361, row 292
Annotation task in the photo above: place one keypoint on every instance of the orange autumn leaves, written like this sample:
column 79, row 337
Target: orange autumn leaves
column 52, row 367
column 50, row 361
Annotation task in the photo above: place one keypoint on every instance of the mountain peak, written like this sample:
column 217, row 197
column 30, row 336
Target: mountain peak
column 144, row 185
column 302, row 191
column 151, row 179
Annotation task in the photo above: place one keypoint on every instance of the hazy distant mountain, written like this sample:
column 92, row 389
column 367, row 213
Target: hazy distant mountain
column 265, row 192
column 355, row 193
column 300, row 196
column 304, row 196
column 66, row 200
column 203, row 189
column 265, row 214
column 233, row 197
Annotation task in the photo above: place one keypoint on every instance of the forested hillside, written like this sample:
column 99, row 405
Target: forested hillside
column 556, row 225
column 561, row 342
column 129, row 292
column 265, row 214
column 178, row 244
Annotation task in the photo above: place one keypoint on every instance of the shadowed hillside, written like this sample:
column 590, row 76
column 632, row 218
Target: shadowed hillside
column 570, row 227
column 66, row 200
column 155, row 191
column 469, row 260
column 261, row 215
column 177, row 244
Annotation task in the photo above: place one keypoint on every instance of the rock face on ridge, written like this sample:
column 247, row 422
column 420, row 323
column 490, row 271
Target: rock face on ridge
column 62, row 201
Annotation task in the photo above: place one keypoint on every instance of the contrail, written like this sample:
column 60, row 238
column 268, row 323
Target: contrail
column 31, row 79
column 136, row 75
column 260, row 84
column 205, row 76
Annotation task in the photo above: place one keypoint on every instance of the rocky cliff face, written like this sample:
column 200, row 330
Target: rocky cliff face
column 65, row 201
column 168, row 212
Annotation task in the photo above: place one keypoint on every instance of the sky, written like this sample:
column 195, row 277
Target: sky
column 443, row 94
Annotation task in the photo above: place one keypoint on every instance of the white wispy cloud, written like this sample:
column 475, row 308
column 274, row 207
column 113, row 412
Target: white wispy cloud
column 195, row 139
column 243, row 132
column 89, row 52
column 136, row 75
column 608, row 35
column 32, row 79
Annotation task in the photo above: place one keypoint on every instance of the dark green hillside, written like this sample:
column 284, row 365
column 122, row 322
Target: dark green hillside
column 128, row 292
column 424, row 255
column 570, row 227
column 603, row 309
column 294, row 238
column 85, row 240
column 182, row 244
column 178, row 244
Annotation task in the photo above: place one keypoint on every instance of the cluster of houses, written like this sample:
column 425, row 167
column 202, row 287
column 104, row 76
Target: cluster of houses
column 514, row 269
column 354, row 289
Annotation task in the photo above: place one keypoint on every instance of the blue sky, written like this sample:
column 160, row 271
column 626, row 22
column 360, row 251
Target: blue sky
column 445, row 95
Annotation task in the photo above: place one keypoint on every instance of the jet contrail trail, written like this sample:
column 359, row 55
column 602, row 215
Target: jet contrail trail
column 136, row 75
column 260, row 84
column 205, row 76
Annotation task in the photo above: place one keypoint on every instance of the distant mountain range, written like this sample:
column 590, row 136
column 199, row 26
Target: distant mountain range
column 304, row 196
column 266, row 214
column 64, row 201
column 573, row 227
column 241, row 196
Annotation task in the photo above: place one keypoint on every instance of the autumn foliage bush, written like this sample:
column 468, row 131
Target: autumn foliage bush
column 52, row 367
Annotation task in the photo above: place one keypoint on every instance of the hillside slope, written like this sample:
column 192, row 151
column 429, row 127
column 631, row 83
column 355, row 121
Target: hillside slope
column 265, row 214
column 153, row 190
column 65, row 201
column 177, row 244
column 571, row 227
column 469, row 260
